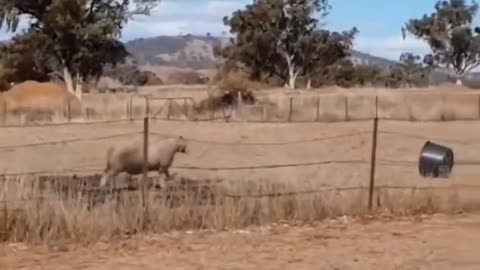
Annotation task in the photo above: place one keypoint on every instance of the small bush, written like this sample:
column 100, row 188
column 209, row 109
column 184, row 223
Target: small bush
column 229, row 87
column 131, row 75
column 186, row 77
column 234, row 82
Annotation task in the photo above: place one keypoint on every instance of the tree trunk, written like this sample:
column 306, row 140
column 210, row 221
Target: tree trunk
column 292, row 73
column 459, row 79
column 309, row 83
column 78, row 87
column 67, row 77
column 292, row 79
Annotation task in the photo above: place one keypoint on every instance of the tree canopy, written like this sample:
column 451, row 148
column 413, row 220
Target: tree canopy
column 283, row 38
column 73, row 39
column 449, row 32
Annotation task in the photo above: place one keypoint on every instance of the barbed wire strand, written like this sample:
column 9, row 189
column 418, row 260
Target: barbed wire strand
column 16, row 146
column 196, row 168
column 5, row 147
column 423, row 137
column 287, row 165
column 429, row 120
column 93, row 168
column 215, row 119
column 317, row 139
column 71, row 123
column 407, row 163
column 262, row 195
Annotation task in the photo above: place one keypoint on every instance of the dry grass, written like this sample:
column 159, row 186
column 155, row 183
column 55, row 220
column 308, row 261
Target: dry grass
column 45, row 214
column 72, row 219
column 273, row 105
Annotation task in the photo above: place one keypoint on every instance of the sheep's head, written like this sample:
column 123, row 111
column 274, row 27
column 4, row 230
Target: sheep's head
column 181, row 144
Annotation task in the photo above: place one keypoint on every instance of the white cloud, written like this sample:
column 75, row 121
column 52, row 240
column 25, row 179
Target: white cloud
column 175, row 17
column 391, row 47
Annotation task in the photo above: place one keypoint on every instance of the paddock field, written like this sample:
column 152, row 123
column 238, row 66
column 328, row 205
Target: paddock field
column 301, row 156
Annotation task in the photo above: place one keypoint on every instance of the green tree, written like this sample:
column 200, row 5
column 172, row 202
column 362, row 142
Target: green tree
column 322, row 49
column 281, row 38
column 410, row 71
column 22, row 60
column 450, row 34
column 79, row 37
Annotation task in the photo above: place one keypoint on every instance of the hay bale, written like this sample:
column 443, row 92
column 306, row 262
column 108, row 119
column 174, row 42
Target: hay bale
column 32, row 97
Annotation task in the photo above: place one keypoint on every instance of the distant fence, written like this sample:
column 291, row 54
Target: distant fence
column 282, row 108
column 370, row 182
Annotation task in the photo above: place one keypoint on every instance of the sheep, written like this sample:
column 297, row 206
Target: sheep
column 129, row 158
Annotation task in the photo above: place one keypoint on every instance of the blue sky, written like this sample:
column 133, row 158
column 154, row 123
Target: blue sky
column 379, row 21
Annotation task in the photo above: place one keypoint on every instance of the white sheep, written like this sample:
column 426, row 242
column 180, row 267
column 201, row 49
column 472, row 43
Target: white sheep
column 129, row 158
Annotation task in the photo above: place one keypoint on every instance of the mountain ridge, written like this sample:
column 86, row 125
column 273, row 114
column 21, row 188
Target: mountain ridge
column 196, row 51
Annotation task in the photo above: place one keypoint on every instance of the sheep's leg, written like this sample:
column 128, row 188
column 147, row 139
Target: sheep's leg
column 106, row 177
column 167, row 174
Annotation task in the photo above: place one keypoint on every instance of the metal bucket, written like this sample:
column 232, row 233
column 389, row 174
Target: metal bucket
column 435, row 160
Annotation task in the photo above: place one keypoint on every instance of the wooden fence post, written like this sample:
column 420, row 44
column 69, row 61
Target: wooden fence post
column 4, row 232
column 211, row 105
column 290, row 109
column 147, row 107
column 130, row 113
column 318, row 109
column 169, row 105
column 240, row 111
column 69, row 110
column 4, row 113
column 347, row 117
column 145, row 171
column 479, row 107
column 185, row 109
column 373, row 163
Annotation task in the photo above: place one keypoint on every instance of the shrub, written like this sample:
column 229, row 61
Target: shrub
column 186, row 77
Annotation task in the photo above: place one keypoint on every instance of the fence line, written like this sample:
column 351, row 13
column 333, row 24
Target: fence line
column 372, row 187
column 196, row 168
column 423, row 137
column 316, row 139
column 267, row 194
column 289, row 118
column 60, row 124
column 16, row 146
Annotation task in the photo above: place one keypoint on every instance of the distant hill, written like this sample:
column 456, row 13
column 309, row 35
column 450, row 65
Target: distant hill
column 197, row 52
column 177, row 51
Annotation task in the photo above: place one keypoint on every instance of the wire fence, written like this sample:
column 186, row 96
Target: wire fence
column 372, row 186
column 293, row 109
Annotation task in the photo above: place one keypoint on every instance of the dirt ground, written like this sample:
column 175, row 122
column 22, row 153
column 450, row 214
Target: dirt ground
column 438, row 242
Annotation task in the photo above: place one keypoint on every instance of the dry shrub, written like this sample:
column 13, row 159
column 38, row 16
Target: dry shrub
column 228, row 89
column 186, row 77
column 40, row 101
column 235, row 82
column 43, row 213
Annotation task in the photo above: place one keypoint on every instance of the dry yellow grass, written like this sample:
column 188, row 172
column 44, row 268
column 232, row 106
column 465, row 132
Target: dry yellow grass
column 329, row 104
column 48, row 215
